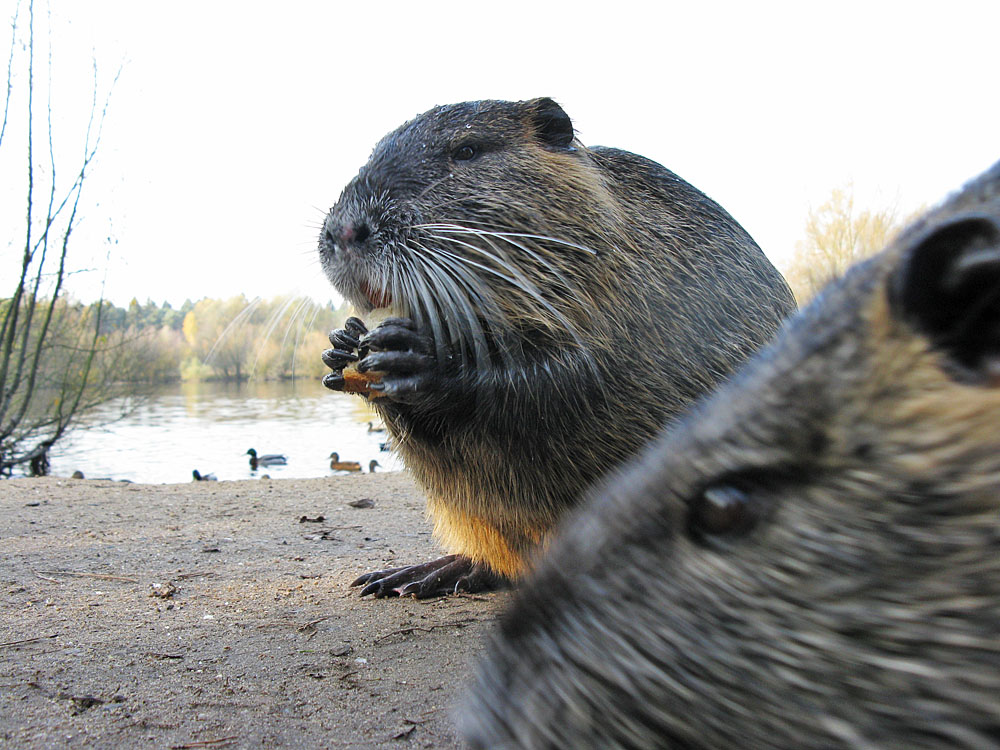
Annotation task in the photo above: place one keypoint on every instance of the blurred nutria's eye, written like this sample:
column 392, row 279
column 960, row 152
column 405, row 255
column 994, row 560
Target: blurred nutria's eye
column 721, row 509
column 464, row 153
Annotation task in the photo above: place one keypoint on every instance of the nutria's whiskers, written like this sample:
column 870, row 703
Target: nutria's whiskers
column 428, row 299
column 518, row 280
column 297, row 305
column 238, row 320
column 433, row 185
column 443, row 230
column 505, row 235
column 462, row 296
column 240, row 338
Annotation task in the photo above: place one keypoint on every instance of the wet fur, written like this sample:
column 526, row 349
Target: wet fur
column 577, row 299
column 862, row 608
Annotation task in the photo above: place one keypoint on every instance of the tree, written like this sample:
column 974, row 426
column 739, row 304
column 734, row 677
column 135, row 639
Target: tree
column 237, row 339
column 837, row 235
column 54, row 365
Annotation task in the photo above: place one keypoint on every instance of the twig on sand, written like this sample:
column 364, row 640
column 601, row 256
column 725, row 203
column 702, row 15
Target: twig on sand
column 27, row 640
column 402, row 734
column 72, row 574
column 456, row 595
column 312, row 624
column 204, row 743
column 428, row 628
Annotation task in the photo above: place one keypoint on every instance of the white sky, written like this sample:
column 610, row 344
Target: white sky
column 234, row 126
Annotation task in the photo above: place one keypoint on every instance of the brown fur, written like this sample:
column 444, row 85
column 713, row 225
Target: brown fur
column 811, row 559
column 575, row 300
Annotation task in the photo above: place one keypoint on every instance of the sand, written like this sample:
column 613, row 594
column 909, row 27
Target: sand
column 219, row 615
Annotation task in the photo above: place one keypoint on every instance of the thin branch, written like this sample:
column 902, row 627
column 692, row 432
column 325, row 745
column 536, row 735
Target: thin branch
column 98, row 576
column 21, row 642
column 10, row 69
column 13, row 312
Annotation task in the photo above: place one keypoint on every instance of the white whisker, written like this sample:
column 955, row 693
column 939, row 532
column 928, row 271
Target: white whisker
column 463, row 295
column 238, row 320
column 458, row 228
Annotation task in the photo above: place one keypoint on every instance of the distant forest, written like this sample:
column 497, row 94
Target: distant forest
column 232, row 339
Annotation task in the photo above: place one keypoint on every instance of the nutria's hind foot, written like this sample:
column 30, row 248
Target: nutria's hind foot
column 450, row 574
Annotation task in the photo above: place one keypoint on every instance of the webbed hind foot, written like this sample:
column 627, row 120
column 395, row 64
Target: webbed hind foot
column 450, row 574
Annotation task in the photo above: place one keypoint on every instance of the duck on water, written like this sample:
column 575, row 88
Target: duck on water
column 268, row 459
column 337, row 465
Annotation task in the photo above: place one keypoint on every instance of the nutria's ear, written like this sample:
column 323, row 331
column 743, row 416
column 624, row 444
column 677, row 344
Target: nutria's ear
column 948, row 286
column 551, row 124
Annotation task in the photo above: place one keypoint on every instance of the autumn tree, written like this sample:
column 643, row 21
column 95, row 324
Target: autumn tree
column 237, row 339
column 837, row 235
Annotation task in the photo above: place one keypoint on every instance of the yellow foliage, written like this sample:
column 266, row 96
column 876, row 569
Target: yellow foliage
column 262, row 339
column 837, row 235
column 190, row 328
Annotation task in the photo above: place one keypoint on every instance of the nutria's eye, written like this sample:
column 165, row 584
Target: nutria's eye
column 464, row 153
column 721, row 509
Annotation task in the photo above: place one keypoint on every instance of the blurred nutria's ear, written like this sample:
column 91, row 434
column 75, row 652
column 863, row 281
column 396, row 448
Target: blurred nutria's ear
column 551, row 124
column 948, row 287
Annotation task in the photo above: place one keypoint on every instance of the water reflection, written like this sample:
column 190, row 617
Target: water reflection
column 210, row 426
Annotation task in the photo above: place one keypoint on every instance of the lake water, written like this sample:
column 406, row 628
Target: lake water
column 210, row 426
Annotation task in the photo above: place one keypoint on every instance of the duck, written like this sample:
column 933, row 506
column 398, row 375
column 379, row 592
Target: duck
column 268, row 459
column 199, row 477
column 371, row 466
column 337, row 465
column 373, row 428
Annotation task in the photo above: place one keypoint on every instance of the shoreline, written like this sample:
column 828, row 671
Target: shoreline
column 220, row 612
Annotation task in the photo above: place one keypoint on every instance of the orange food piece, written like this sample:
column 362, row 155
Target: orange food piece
column 360, row 382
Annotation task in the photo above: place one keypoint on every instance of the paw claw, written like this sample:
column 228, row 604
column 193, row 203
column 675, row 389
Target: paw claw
column 334, row 381
column 355, row 327
column 338, row 359
column 446, row 575
column 341, row 339
column 398, row 336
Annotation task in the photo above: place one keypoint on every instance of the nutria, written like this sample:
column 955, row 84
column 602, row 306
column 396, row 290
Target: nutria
column 811, row 557
column 554, row 306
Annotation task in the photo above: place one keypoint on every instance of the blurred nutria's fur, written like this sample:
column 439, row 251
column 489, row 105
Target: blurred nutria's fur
column 811, row 558
column 556, row 305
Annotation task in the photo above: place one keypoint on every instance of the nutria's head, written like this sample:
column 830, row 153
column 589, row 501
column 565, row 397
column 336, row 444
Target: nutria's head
column 811, row 559
column 475, row 218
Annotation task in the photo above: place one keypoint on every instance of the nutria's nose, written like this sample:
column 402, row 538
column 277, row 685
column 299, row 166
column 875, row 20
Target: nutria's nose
column 356, row 232
column 348, row 232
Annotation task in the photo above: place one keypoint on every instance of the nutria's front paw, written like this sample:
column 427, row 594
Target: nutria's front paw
column 403, row 356
column 346, row 341
column 450, row 574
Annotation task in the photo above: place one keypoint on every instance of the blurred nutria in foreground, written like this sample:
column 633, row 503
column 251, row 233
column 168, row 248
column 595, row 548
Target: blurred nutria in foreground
column 555, row 305
column 811, row 559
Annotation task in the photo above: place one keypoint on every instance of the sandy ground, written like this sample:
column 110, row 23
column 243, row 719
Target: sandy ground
column 254, row 639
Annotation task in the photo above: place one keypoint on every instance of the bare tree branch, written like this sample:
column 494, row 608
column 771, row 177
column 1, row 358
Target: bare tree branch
column 41, row 397
column 10, row 70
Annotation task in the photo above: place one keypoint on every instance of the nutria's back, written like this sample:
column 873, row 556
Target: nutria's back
column 811, row 559
column 573, row 300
